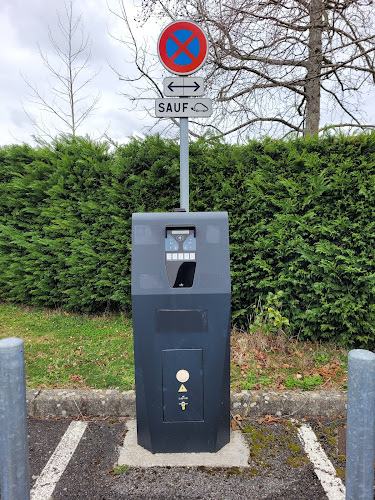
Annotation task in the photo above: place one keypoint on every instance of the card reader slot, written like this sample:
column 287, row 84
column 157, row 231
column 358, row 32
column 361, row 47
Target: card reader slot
column 185, row 275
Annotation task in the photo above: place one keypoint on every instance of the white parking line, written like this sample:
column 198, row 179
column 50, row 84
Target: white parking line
column 332, row 485
column 46, row 482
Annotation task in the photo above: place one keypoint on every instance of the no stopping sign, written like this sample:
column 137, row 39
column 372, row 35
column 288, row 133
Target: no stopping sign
column 182, row 47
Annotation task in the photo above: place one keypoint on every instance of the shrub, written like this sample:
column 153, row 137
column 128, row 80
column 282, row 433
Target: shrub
column 300, row 214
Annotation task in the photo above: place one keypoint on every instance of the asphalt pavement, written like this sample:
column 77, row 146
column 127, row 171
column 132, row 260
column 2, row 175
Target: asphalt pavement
column 278, row 465
column 295, row 446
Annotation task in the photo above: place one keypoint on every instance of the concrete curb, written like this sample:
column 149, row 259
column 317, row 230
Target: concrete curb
column 62, row 403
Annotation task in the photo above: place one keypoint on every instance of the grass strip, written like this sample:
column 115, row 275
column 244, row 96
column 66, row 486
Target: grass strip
column 71, row 351
column 64, row 350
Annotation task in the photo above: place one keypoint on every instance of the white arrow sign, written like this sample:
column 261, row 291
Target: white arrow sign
column 183, row 108
column 183, row 87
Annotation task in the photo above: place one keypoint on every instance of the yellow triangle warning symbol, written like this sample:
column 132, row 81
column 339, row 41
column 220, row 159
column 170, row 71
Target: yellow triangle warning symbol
column 182, row 388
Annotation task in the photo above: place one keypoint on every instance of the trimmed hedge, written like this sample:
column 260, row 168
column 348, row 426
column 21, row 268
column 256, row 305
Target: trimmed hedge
column 301, row 221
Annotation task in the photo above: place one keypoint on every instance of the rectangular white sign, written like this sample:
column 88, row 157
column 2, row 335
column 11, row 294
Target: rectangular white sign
column 183, row 108
column 179, row 86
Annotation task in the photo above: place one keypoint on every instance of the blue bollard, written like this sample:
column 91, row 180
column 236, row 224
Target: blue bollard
column 360, row 433
column 14, row 453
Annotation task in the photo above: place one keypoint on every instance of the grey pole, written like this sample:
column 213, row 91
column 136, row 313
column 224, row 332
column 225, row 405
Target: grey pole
column 360, row 432
column 184, row 163
column 14, row 453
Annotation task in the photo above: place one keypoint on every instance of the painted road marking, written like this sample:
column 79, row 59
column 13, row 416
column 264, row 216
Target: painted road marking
column 332, row 485
column 58, row 462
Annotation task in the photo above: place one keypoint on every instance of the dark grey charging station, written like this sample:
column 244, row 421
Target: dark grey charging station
column 181, row 321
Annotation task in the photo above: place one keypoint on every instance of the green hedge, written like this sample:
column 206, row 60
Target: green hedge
column 301, row 221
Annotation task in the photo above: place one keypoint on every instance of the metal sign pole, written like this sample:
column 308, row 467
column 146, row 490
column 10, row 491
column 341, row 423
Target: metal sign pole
column 177, row 58
column 184, row 163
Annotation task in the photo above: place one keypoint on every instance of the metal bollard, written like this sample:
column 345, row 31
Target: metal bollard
column 360, row 435
column 14, row 453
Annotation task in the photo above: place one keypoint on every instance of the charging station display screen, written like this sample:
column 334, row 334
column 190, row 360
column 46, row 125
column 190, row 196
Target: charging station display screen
column 180, row 256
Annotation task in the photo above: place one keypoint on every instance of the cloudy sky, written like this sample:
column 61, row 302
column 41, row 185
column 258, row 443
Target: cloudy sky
column 24, row 24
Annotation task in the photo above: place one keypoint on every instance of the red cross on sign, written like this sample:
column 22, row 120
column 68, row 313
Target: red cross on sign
column 182, row 47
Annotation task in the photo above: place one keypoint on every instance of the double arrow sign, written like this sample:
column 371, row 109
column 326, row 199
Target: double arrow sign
column 183, row 87
column 173, row 87
column 183, row 108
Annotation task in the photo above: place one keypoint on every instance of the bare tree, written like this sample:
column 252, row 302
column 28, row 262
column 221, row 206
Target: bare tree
column 66, row 98
column 273, row 62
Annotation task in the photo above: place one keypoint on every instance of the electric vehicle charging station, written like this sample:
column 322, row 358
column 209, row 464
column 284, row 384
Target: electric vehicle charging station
column 181, row 292
column 181, row 321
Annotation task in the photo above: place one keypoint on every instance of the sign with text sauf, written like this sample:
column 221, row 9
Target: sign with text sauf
column 183, row 108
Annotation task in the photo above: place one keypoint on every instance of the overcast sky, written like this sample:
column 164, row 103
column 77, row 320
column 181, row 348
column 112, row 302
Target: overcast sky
column 24, row 23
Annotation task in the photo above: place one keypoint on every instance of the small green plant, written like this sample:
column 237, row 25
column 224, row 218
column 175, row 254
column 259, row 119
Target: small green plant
column 253, row 379
column 268, row 319
column 306, row 384
column 120, row 469
column 321, row 357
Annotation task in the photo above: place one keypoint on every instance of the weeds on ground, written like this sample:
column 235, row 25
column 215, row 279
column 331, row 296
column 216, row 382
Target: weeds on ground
column 280, row 362
column 266, row 357
column 119, row 470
